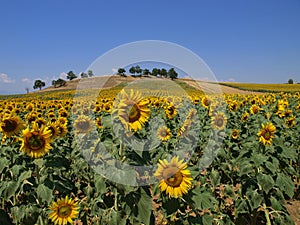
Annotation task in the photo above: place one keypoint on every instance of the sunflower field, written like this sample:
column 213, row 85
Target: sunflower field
column 138, row 156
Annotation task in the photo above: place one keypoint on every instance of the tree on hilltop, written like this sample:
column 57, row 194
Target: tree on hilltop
column 39, row 84
column 90, row 73
column 172, row 74
column 71, row 75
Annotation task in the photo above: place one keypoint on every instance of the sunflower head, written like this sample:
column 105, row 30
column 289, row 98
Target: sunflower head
column 219, row 121
column 64, row 210
column 83, row 124
column 254, row 109
column 164, row 133
column 170, row 111
column 132, row 110
column 266, row 134
column 174, row 178
column 11, row 125
column 205, row 102
column 235, row 134
column 36, row 141
column 245, row 116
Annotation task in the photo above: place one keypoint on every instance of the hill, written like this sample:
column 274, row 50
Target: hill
column 106, row 82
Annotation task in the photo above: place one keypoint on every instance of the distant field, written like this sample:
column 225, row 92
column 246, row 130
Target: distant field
column 265, row 87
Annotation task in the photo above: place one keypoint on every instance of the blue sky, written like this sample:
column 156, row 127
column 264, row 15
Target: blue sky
column 245, row 41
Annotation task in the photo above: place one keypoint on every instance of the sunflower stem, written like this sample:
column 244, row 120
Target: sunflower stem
column 116, row 201
column 37, row 173
column 121, row 149
column 267, row 214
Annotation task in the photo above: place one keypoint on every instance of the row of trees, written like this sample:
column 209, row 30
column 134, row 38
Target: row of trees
column 138, row 71
column 61, row 82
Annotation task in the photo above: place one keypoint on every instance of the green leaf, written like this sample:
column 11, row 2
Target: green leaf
column 25, row 175
column 207, row 219
column 275, row 204
column 203, row 200
column 18, row 212
column 241, row 206
column 100, row 185
column 144, row 207
column 285, row 184
column 10, row 189
column 44, row 193
column 266, row 182
column 3, row 163
column 255, row 199
column 215, row 178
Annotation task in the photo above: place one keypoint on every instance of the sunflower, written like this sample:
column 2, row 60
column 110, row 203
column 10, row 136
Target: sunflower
column 36, row 142
column 62, row 120
column 99, row 122
column 53, row 128
column 183, row 130
column 205, row 102
column 11, row 125
column 170, row 111
column 266, row 134
column 290, row 122
column 219, row 121
column 164, row 133
column 245, row 116
column 133, row 111
column 64, row 210
column 235, row 134
column 175, row 179
column 254, row 109
column 83, row 124
column 62, row 129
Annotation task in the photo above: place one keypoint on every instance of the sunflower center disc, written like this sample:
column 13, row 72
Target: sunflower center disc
column 219, row 122
column 83, row 125
column 267, row 135
column 173, row 177
column 36, row 142
column 64, row 211
column 134, row 113
column 9, row 125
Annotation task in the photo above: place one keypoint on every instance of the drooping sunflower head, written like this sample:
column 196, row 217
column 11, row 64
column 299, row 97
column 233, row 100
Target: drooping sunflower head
column 291, row 121
column 245, row 116
column 64, row 210
column 36, row 141
column 219, row 121
column 83, row 124
column 254, row 109
column 266, row 134
column 175, row 178
column 164, row 133
column 62, row 129
column 235, row 134
column 170, row 111
column 205, row 102
column 53, row 128
column 99, row 122
column 11, row 125
column 133, row 111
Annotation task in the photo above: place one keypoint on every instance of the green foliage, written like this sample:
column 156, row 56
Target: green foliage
column 71, row 75
column 38, row 84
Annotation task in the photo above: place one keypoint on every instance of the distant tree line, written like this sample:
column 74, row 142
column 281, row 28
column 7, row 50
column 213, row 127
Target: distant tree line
column 61, row 82
column 138, row 71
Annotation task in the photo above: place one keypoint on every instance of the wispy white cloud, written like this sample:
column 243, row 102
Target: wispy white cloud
column 26, row 80
column 63, row 75
column 5, row 79
column 114, row 70
column 231, row 80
